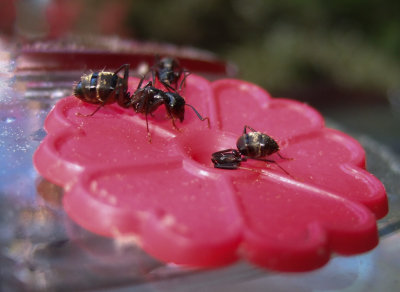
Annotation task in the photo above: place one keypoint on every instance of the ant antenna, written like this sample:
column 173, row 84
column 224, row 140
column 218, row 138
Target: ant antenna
column 284, row 170
column 283, row 157
column 277, row 164
column 199, row 116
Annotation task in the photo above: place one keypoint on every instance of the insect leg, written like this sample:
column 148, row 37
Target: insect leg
column 147, row 110
column 141, row 82
column 95, row 111
column 199, row 116
column 126, row 71
column 168, row 87
column 137, row 95
column 153, row 68
column 153, row 74
column 186, row 73
column 248, row 127
column 273, row 161
column 147, row 127
column 171, row 116
column 121, row 90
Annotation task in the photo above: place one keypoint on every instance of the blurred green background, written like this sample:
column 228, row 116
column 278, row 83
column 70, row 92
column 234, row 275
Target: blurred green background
column 295, row 48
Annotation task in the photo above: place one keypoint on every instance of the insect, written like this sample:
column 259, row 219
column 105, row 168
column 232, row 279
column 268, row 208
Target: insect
column 149, row 98
column 253, row 145
column 104, row 88
column 168, row 71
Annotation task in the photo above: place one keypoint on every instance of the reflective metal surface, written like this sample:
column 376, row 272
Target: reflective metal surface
column 41, row 249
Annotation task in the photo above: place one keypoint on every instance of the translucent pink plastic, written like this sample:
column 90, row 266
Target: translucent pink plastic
column 168, row 196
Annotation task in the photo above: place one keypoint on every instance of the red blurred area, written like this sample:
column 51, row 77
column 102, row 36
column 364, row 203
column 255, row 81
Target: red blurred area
column 62, row 16
column 7, row 16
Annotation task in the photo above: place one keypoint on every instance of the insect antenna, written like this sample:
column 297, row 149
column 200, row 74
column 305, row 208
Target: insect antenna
column 276, row 163
column 284, row 170
column 283, row 157
column 199, row 116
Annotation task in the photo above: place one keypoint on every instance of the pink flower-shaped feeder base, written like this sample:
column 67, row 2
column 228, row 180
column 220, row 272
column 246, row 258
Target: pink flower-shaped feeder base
column 169, row 197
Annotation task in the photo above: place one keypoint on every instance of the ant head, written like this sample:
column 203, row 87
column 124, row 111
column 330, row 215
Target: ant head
column 176, row 105
column 168, row 62
column 242, row 144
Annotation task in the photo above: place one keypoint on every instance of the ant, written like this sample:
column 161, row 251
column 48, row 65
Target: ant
column 168, row 71
column 107, row 87
column 148, row 98
column 254, row 145
column 104, row 88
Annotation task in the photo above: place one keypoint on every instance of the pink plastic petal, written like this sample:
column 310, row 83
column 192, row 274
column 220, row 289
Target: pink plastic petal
column 181, row 209
column 195, row 226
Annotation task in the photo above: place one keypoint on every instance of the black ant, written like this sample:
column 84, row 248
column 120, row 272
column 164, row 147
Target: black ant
column 107, row 87
column 104, row 88
column 168, row 71
column 254, row 145
column 148, row 98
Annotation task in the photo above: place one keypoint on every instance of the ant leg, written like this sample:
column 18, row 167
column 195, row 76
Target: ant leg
column 168, row 87
column 248, row 127
column 133, row 97
column 148, row 110
column 186, row 73
column 199, row 116
column 141, row 82
column 143, row 105
column 171, row 117
column 153, row 74
column 95, row 111
column 273, row 161
column 154, row 67
column 126, row 72
column 174, row 125
column 147, row 127
column 137, row 97
column 122, row 94
column 146, row 107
